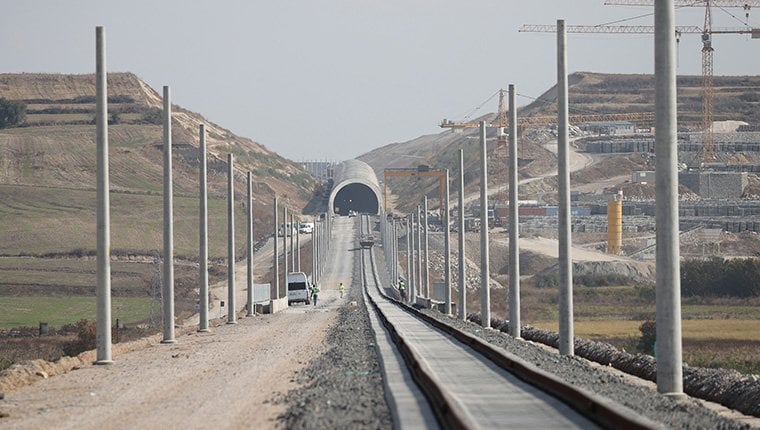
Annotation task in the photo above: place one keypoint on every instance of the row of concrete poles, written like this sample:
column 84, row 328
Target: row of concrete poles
column 320, row 240
column 669, row 367
column 668, row 306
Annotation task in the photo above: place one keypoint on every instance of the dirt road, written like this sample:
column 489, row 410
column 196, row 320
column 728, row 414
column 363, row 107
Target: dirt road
column 229, row 378
column 576, row 161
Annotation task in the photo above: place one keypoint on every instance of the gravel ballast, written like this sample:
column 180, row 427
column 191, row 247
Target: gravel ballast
column 687, row 413
column 343, row 388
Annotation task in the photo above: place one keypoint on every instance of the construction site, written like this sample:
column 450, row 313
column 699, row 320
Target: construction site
column 613, row 145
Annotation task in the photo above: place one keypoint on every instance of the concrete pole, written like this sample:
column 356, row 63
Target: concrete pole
column 420, row 285
column 317, row 249
column 514, row 225
column 321, row 247
column 462, row 311
column 249, row 251
column 168, row 283
column 276, row 278
column 298, row 249
column 396, row 253
column 292, row 241
column 427, row 250
column 409, row 283
column 103, row 293
column 231, row 315
column 485, row 272
column 285, row 249
column 383, row 241
column 668, row 277
column 412, row 260
column 314, row 254
column 447, row 246
column 566, row 332
column 394, row 250
column 203, row 249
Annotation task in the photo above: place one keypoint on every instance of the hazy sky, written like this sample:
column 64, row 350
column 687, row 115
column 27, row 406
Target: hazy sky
column 314, row 79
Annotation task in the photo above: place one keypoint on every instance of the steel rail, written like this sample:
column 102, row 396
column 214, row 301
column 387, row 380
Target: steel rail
column 449, row 412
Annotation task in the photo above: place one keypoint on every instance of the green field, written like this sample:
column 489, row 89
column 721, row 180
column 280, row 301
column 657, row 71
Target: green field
column 29, row 311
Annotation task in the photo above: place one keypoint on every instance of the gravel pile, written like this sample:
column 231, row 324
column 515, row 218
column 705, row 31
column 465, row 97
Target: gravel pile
column 343, row 388
column 676, row 414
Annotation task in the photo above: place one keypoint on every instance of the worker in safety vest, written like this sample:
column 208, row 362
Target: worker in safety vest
column 341, row 289
column 315, row 293
column 402, row 289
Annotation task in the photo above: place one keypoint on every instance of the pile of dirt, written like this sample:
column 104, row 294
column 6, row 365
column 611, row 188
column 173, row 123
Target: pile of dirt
column 752, row 190
column 608, row 167
column 28, row 372
column 608, row 272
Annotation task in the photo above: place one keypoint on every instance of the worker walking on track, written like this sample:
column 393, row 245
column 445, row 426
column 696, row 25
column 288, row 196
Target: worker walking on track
column 402, row 289
column 341, row 288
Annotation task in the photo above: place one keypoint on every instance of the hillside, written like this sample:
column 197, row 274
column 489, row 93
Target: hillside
column 47, row 187
column 735, row 99
column 52, row 147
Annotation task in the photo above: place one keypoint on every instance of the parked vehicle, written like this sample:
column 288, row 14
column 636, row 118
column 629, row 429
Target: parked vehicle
column 299, row 288
column 306, row 227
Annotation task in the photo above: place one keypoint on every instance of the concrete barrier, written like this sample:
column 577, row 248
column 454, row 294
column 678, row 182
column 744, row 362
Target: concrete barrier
column 277, row 305
column 271, row 307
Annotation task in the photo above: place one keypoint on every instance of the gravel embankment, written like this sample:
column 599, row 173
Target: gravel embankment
column 688, row 413
column 343, row 388
column 725, row 386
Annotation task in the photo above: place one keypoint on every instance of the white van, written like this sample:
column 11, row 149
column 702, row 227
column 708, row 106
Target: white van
column 306, row 227
column 299, row 288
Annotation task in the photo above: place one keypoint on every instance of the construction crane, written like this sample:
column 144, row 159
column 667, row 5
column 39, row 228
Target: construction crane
column 708, row 142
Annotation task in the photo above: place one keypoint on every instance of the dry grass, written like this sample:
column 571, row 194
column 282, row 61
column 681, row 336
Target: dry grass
column 693, row 330
column 716, row 332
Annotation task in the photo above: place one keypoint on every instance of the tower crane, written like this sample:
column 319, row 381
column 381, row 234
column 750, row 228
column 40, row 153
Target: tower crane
column 708, row 142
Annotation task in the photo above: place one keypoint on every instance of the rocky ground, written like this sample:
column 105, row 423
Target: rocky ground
column 343, row 388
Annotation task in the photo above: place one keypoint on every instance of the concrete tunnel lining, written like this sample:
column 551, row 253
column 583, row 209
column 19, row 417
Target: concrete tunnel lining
column 356, row 188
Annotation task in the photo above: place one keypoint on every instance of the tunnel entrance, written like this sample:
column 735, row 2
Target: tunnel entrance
column 355, row 197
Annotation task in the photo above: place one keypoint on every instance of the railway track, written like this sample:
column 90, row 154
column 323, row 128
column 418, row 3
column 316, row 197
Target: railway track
column 437, row 376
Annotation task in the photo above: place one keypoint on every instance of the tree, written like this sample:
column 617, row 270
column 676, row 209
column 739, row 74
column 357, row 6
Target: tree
column 648, row 338
column 11, row 113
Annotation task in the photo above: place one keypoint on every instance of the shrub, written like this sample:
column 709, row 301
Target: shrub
column 648, row 338
column 717, row 277
column 153, row 116
column 86, row 338
column 11, row 113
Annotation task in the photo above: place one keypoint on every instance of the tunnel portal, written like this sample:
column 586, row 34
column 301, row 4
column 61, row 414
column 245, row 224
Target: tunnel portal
column 356, row 189
column 355, row 197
